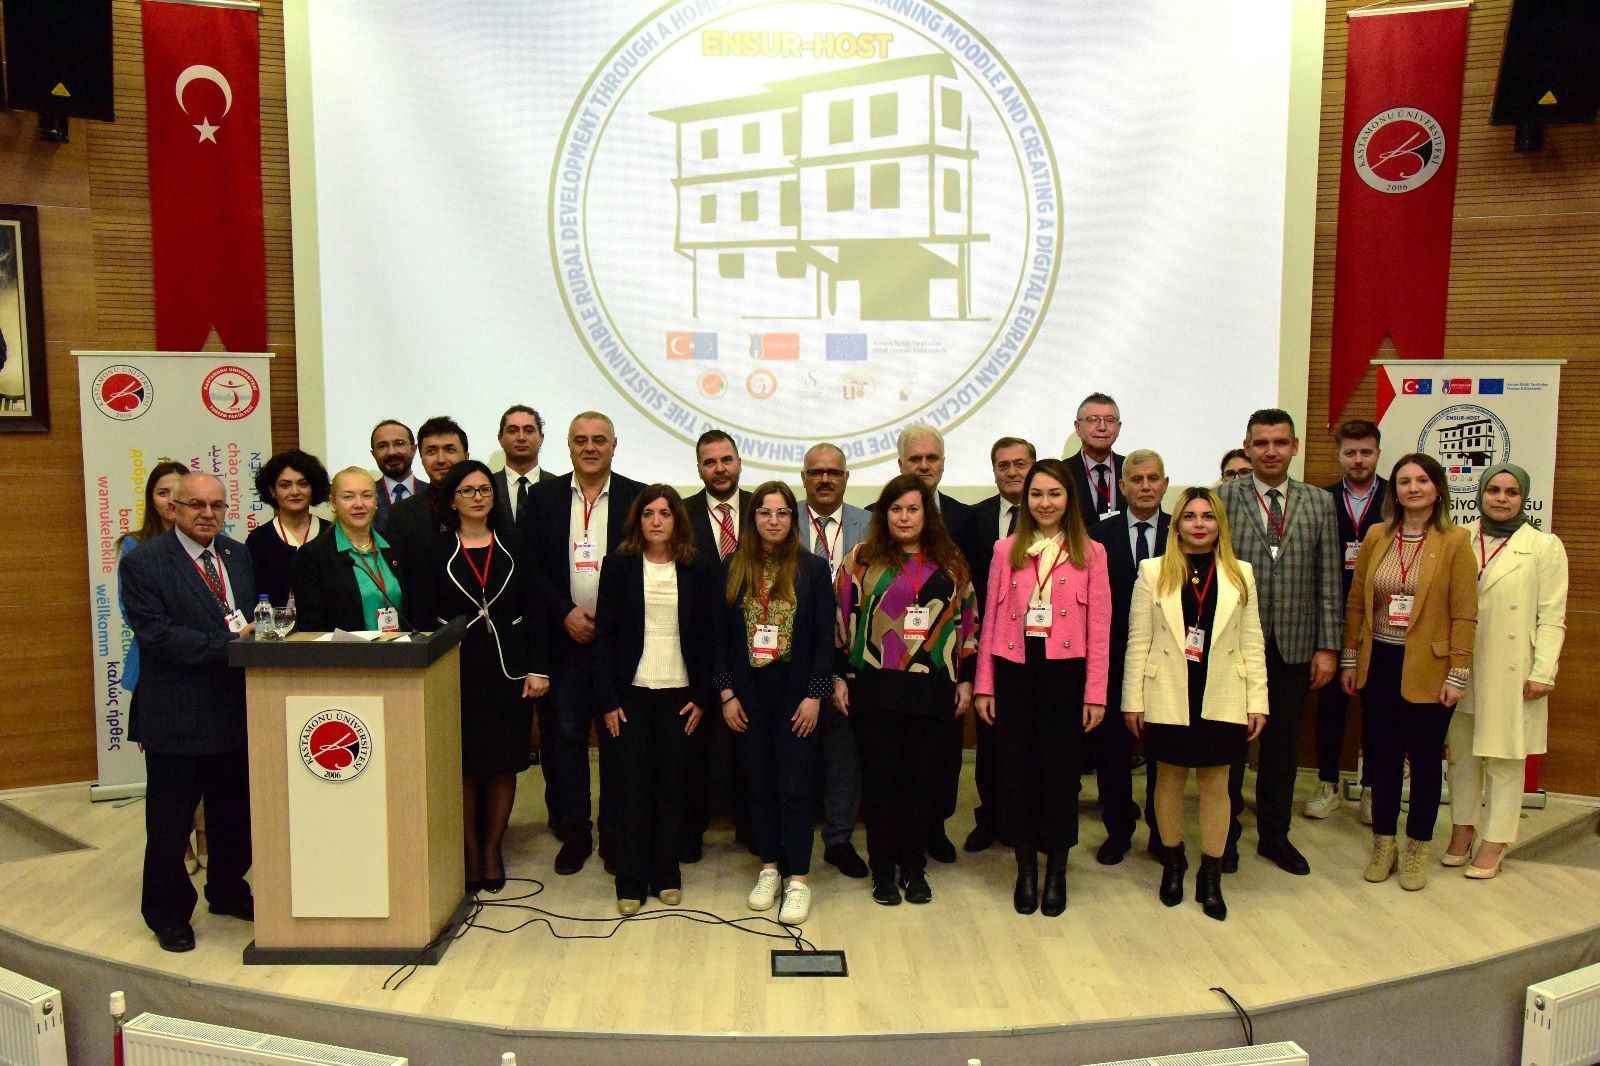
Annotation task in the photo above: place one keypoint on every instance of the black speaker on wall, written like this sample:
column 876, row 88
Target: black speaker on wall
column 58, row 61
column 1550, row 69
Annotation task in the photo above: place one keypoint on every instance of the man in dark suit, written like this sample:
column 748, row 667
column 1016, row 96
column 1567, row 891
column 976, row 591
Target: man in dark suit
column 393, row 449
column 1095, row 467
column 993, row 519
column 1357, row 507
column 716, row 515
column 921, row 450
column 521, row 436
column 1286, row 531
column 414, row 521
column 186, row 594
column 1139, row 532
column 574, row 522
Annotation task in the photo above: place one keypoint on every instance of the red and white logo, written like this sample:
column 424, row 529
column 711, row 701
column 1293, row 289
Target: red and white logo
column 122, row 392
column 761, row 383
column 1398, row 150
column 713, row 383
column 1458, row 386
column 230, row 392
column 335, row 745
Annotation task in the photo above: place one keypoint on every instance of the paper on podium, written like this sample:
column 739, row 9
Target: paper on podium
column 367, row 636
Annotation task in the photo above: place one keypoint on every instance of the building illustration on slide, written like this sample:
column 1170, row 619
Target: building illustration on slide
column 846, row 194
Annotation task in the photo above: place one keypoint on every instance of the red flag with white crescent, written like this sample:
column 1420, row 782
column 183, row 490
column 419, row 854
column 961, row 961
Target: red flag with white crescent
column 203, row 118
column 1397, row 189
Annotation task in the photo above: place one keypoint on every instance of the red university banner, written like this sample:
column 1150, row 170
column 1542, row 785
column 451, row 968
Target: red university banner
column 203, row 118
column 1397, row 188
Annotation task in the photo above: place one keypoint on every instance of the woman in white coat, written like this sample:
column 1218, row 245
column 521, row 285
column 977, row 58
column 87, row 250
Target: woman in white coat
column 1195, row 683
column 1522, row 609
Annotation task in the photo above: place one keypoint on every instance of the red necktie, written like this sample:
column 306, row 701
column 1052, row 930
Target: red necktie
column 726, row 541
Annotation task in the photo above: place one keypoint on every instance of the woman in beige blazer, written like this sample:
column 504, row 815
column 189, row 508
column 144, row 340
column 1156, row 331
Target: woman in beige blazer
column 1408, row 632
column 1522, row 623
column 1195, row 683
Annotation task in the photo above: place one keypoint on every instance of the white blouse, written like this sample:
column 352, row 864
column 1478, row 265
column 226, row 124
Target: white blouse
column 661, row 665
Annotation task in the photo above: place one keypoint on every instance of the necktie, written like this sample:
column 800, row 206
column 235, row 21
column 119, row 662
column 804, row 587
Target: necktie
column 1275, row 513
column 1011, row 520
column 522, row 495
column 1102, row 488
column 1143, row 552
column 819, row 543
column 400, row 493
column 726, row 541
column 208, row 563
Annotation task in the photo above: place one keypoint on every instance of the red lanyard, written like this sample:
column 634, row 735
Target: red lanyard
column 376, row 573
column 481, row 575
column 764, row 592
column 1277, row 527
column 1102, row 491
column 1204, row 592
column 1350, row 507
column 588, row 508
column 1400, row 550
column 916, row 582
column 1485, row 561
column 283, row 534
column 219, row 591
column 838, row 535
column 1042, row 580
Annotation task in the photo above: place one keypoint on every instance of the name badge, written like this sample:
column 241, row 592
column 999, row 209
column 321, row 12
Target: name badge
column 388, row 620
column 1037, row 623
column 1352, row 549
column 764, row 644
column 1194, row 644
column 1400, row 610
column 585, row 557
column 917, row 622
column 1272, row 550
column 235, row 620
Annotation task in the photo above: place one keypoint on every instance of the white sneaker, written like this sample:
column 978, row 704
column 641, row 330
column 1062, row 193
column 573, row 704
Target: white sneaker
column 796, row 903
column 1325, row 802
column 1366, row 806
column 765, row 894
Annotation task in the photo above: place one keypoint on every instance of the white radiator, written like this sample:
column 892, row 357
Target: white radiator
column 1287, row 1053
column 153, row 1040
column 1561, row 1020
column 33, row 1029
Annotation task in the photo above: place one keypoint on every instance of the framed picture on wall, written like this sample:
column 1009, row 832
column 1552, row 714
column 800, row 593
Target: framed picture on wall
column 24, row 388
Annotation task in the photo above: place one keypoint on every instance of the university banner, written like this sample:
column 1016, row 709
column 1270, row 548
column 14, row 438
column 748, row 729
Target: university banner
column 203, row 120
column 209, row 411
column 1397, row 188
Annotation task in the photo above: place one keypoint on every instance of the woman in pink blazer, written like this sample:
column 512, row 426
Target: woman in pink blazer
column 1042, row 656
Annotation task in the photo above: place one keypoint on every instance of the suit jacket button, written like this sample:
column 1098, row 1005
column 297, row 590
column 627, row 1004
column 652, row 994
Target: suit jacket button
column 1013, row 614
column 1066, row 643
column 1063, row 612
column 1009, row 644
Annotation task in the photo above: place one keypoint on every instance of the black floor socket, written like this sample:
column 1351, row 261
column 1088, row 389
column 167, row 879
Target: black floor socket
column 809, row 964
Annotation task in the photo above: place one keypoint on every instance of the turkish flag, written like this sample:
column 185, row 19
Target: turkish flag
column 1397, row 189
column 203, row 118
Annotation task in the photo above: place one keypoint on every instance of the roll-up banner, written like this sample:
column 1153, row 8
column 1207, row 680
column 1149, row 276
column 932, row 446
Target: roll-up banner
column 209, row 411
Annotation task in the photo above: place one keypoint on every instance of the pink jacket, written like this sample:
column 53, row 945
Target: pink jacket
column 1080, row 603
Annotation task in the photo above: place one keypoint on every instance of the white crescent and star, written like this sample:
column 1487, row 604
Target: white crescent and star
column 201, row 72
column 676, row 347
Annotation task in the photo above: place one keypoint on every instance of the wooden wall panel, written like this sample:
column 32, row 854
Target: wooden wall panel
column 93, row 195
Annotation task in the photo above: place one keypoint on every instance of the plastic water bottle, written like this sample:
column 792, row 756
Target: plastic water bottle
column 266, row 629
column 284, row 619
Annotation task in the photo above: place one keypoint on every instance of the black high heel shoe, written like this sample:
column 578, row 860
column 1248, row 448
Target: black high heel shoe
column 495, row 884
column 1026, row 897
column 1208, row 888
column 1173, row 865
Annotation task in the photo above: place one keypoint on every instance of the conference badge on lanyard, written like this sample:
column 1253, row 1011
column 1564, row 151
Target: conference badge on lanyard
column 917, row 621
column 1352, row 551
column 235, row 620
column 1037, row 622
column 585, row 556
column 764, row 643
column 1400, row 610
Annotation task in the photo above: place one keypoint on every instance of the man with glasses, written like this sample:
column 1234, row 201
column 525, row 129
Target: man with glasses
column 414, row 521
column 1095, row 467
column 393, row 449
column 186, row 594
column 829, row 527
column 521, row 436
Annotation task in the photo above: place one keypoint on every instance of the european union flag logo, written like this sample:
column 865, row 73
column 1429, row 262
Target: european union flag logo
column 1491, row 386
column 682, row 344
column 847, row 347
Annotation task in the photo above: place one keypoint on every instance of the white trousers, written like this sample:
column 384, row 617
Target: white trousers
column 1484, row 793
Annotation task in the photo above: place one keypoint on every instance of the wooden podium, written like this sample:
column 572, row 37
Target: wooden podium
column 355, row 797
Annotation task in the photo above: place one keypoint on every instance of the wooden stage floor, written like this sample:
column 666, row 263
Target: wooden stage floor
column 964, row 963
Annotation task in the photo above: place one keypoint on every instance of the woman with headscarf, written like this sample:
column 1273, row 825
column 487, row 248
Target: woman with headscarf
column 1522, row 608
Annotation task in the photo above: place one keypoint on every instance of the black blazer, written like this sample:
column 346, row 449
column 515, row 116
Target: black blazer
column 502, row 496
column 325, row 590
column 1112, row 533
column 619, row 628
column 811, row 651
column 985, row 534
column 413, row 524
column 705, row 537
column 1088, row 499
column 189, row 700
column 549, row 524
column 414, row 485
column 443, row 587
column 1347, row 529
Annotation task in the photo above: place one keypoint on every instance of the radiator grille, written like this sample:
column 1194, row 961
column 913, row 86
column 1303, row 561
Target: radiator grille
column 32, row 1025
column 154, row 1040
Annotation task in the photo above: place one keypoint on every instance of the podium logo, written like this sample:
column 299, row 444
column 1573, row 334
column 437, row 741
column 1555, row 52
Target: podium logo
column 335, row 745
column 230, row 392
column 122, row 392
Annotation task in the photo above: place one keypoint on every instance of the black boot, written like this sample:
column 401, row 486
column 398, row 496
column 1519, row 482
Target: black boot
column 1026, row 897
column 1208, row 888
column 1173, row 865
column 1054, row 900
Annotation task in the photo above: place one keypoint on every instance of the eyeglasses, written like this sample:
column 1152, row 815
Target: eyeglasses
column 1232, row 475
column 1101, row 420
column 201, row 506
column 468, row 492
column 819, row 472
column 765, row 513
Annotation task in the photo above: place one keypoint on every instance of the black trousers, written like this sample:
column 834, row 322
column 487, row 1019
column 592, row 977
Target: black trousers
column 902, row 724
column 986, row 776
column 947, row 782
column 1288, row 685
column 781, row 769
column 566, row 717
column 174, row 786
column 1111, row 748
column 650, row 753
column 1038, row 724
column 1398, row 730
column 713, row 780
column 1333, row 709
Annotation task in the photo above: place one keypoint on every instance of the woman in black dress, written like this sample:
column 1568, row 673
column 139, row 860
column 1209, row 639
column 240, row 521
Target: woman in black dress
column 1193, row 605
column 291, row 483
column 491, row 578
